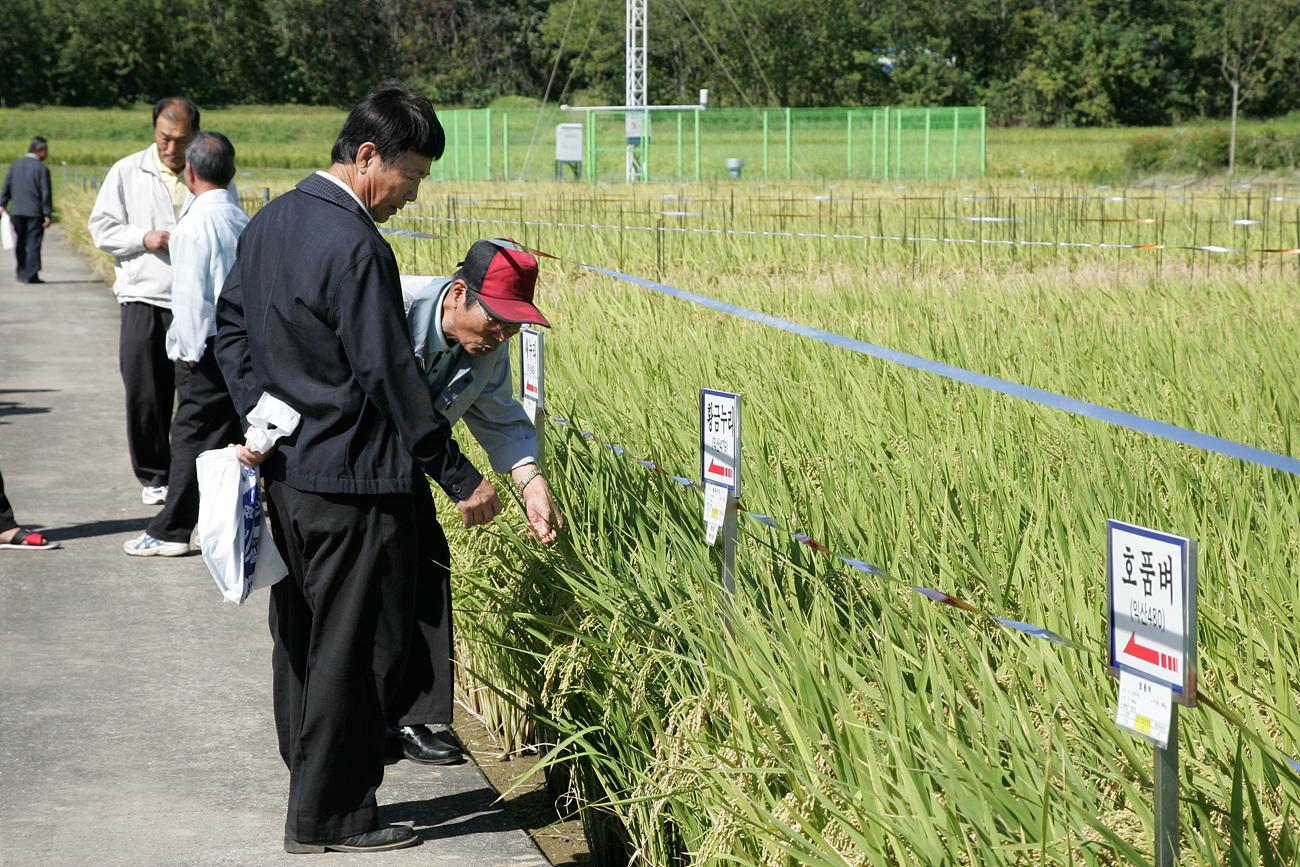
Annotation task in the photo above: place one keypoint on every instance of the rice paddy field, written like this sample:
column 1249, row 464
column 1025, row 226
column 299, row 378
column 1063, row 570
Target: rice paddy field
column 827, row 715
column 272, row 139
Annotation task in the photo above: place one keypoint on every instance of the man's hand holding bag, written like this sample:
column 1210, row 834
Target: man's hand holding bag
column 236, row 544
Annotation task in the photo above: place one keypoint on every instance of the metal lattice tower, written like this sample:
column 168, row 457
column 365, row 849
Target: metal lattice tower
column 637, row 121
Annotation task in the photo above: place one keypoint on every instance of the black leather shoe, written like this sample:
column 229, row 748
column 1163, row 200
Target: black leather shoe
column 426, row 747
column 378, row 840
column 36, row 280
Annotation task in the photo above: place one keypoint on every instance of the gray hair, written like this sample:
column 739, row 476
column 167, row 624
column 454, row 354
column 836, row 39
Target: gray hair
column 38, row 144
column 212, row 157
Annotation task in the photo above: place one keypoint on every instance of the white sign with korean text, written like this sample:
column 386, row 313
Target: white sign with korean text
column 1152, row 579
column 1144, row 708
column 530, row 371
column 720, row 439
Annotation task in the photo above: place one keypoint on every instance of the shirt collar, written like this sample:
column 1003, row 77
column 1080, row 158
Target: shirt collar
column 159, row 164
column 351, row 192
column 214, row 197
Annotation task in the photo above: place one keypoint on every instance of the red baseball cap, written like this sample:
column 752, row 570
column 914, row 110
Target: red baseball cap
column 504, row 280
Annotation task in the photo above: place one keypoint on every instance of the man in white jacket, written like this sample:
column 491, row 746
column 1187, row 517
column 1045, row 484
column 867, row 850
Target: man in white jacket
column 138, row 205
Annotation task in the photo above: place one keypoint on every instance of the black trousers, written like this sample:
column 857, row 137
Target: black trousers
column 426, row 694
column 341, row 622
column 29, row 232
column 205, row 419
column 7, row 521
column 150, row 380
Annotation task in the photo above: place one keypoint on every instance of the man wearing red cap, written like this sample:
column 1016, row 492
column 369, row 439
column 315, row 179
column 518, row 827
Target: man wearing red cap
column 461, row 327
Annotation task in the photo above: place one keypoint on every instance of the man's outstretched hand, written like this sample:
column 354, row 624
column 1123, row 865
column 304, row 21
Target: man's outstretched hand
column 480, row 506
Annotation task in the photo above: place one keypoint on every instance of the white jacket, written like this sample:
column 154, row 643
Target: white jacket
column 132, row 201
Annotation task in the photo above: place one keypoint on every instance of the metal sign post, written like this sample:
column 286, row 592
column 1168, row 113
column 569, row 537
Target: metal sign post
column 1152, row 613
column 720, row 470
column 530, row 384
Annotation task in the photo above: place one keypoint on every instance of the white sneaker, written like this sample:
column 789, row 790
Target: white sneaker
column 154, row 496
column 148, row 546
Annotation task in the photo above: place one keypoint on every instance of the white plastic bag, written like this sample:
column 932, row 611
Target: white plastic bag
column 239, row 551
column 7, row 239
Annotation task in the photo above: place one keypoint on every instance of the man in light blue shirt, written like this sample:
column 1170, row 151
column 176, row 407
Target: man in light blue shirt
column 202, row 248
column 461, row 328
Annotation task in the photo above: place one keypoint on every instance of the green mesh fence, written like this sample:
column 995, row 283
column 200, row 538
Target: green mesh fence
column 807, row 143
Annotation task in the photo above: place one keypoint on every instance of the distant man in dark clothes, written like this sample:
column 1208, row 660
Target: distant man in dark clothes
column 30, row 205
column 312, row 314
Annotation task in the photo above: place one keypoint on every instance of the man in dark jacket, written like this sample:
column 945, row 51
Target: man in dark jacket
column 312, row 314
column 31, row 205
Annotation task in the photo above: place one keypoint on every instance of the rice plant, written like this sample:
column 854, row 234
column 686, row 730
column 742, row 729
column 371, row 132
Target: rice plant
column 843, row 718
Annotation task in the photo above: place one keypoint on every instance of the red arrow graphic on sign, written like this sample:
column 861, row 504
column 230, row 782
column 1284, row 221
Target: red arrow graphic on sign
column 719, row 469
column 1146, row 654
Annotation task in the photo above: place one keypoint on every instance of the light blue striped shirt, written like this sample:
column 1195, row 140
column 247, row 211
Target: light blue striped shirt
column 202, row 248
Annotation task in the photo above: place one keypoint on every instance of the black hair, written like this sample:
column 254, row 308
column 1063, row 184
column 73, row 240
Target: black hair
column 38, row 144
column 396, row 120
column 471, row 297
column 177, row 108
column 212, row 157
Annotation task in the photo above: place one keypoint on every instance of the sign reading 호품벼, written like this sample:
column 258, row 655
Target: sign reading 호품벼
column 720, row 439
column 1152, row 579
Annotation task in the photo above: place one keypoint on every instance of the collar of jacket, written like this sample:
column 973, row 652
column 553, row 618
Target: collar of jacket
column 144, row 162
column 316, row 186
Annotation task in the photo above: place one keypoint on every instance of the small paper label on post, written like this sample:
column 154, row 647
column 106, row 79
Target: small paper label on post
column 715, row 510
column 1144, row 708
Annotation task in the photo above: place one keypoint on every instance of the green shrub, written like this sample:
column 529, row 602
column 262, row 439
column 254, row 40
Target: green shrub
column 1268, row 149
column 1148, row 153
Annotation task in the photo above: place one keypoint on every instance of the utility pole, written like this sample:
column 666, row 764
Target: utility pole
column 637, row 119
column 636, row 113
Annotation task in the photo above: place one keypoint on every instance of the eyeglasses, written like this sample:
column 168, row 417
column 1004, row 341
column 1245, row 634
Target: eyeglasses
column 509, row 329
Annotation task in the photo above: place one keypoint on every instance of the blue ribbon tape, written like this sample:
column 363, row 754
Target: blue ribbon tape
column 1116, row 417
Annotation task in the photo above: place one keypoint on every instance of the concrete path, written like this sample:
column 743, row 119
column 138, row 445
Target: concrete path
column 135, row 705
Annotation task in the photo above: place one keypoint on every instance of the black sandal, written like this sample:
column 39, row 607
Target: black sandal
column 26, row 540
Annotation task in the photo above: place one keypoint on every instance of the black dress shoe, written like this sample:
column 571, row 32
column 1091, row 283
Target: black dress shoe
column 378, row 840
column 36, row 280
column 426, row 747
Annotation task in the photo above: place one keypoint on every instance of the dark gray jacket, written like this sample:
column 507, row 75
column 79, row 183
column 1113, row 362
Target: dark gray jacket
column 312, row 313
column 27, row 186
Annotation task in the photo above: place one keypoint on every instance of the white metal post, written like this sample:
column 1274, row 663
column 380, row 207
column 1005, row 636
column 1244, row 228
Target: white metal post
column 634, row 79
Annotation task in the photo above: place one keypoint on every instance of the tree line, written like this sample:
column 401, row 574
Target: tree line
column 1049, row 62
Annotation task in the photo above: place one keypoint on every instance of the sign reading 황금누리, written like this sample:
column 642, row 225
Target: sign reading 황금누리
column 1152, row 612
column 720, row 439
